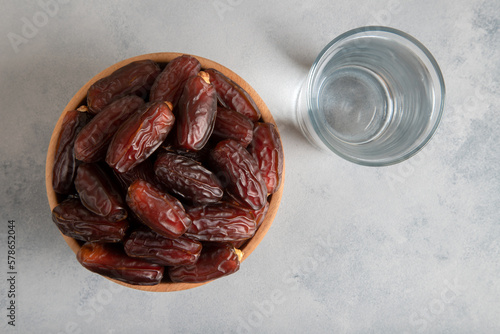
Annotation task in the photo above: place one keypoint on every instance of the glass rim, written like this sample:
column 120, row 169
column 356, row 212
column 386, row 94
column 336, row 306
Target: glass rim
column 437, row 107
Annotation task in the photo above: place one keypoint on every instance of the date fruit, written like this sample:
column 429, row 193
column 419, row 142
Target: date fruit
column 221, row 222
column 188, row 178
column 162, row 212
column 169, row 84
column 233, row 96
column 76, row 221
column 132, row 79
column 259, row 219
column 260, row 214
column 216, row 260
column 155, row 248
column 111, row 260
column 143, row 171
column 241, row 172
column 197, row 112
column 267, row 150
column 64, row 169
column 92, row 142
column 140, row 136
column 99, row 193
column 230, row 124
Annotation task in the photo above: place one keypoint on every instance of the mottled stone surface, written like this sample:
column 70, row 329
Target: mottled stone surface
column 411, row 248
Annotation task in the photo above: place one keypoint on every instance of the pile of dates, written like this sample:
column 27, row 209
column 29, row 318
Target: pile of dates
column 164, row 173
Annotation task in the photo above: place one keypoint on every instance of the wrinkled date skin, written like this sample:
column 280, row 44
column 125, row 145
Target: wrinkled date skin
column 162, row 212
column 92, row 142
column 241, row 172
column 259, row 219
column 216, row 260
column 155, row 248
column 64, row 170
column 267, row 150
column 143, row 171
column 169, row 84
column 261, row 214
column 140, row 136
column 135, row 78
column 76, row 221
column 111, row 260
column 221, row 222
column 230, row 124
column 200, row 155
column 233, row 96
column 188, row 178
column 197, row 112
column 99, row 193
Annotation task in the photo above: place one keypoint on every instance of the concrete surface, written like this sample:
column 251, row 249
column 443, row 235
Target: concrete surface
column 411, row 248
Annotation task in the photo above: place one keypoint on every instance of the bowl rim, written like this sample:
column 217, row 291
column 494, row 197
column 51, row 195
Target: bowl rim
column 164, row 57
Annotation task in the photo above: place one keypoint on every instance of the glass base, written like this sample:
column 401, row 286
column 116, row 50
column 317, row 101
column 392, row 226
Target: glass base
column 355, row 103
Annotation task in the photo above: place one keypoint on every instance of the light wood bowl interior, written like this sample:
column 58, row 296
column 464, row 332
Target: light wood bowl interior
column 163, row 57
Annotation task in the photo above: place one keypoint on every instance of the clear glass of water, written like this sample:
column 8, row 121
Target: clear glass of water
column 374, row 96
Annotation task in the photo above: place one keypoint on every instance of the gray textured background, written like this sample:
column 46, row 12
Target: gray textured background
column 412, row 248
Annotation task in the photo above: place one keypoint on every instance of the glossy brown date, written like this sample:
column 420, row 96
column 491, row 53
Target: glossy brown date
column 99, row 193
column 261, row 214
column 155, row 248
column 267, row 150
column 197, row 112
column 199, row 156
column 143, row 171
column 233, row 96
column 221, row 222
column 188, row 178
column 140, row 136
column 169, row 84
column 111, row 260
column 216, row 260
column 230, row 124
column 64, row 170
column 238, row 168
column 76, row 221
column 92, row 142
column 259, row 219
column 162, row 212
column 135, row 78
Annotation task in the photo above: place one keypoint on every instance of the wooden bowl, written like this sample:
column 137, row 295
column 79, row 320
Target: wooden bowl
column 163, row 57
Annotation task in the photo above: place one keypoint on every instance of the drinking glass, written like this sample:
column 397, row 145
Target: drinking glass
column 374, row 96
